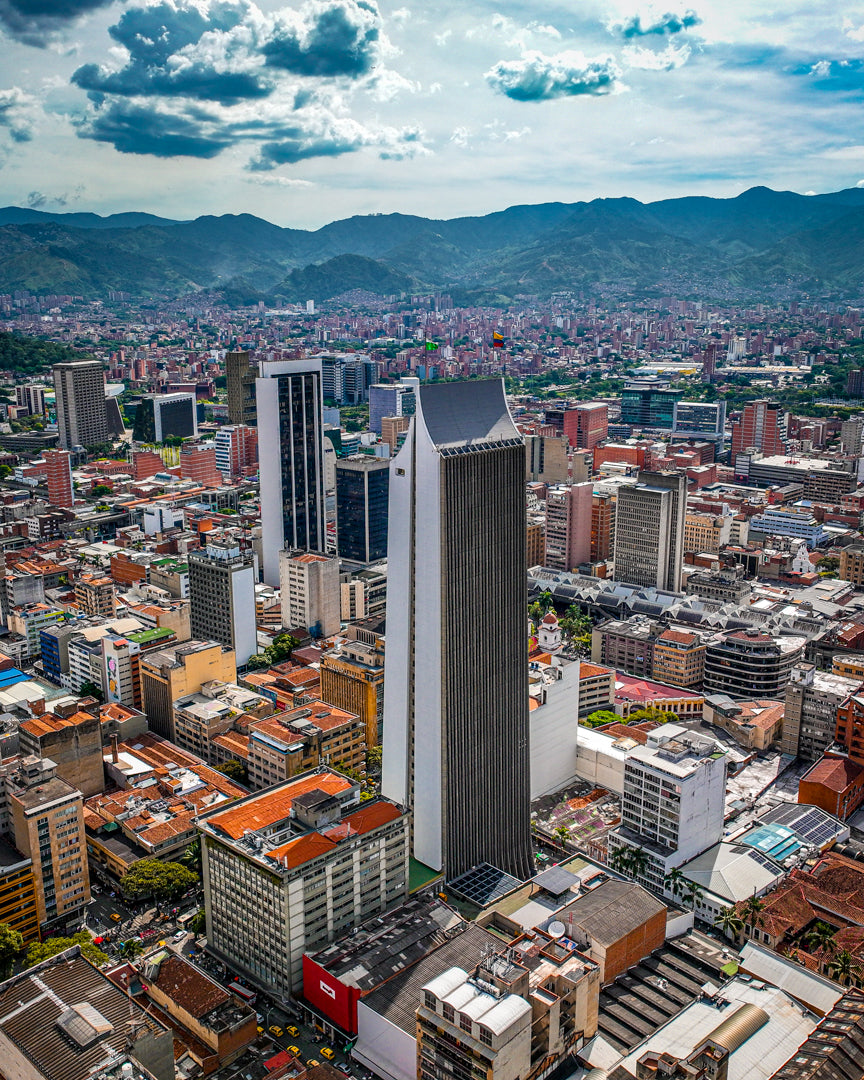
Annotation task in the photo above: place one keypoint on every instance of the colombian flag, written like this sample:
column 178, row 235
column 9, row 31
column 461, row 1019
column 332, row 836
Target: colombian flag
column 497, row 340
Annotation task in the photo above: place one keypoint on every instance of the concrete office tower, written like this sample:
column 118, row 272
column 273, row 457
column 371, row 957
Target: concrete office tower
column 309, row 584
column 546, row 459
column 58, row 471
column 240, row 378
column 649, row 531
column 222, row 597
column 455, row 695
column 389, row 399
column 32, row 397
column 851, row 435
column 362, row 485
column 763, row 426
column 568, row 526
column 290, row 446
column 82, row 418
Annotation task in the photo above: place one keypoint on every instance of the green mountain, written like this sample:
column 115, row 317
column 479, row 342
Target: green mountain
column 759, row 244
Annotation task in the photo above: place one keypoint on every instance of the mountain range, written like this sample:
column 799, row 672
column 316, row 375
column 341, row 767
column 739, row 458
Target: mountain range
column 759, row 245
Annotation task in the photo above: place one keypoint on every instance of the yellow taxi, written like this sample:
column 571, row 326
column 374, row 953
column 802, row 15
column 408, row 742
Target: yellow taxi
column 312, row 1062
column 295, row 1050
column 328, row 1053
column 274, row 1030
column 115, row 917
column 292, row 1030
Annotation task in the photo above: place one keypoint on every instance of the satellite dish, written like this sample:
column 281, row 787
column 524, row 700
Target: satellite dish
column 557, row 929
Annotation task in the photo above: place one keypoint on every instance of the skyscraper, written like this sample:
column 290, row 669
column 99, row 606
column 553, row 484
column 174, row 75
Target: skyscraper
column 762, row 427
column 291, row 449
column 240, row 383
column 455, row 705
column 82, row 417
column 58, row 477
column 649, row 531
column 362, row 483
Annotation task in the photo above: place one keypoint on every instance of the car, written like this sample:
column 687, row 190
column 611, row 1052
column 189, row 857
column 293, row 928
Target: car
column 292, row 1030
column 328, row 1053
column 115, row 917
column 274, row 1029
column 260, row 1030
column 343, row 1068
column 180, row 935
column 312, row 1063
column 295, row 1050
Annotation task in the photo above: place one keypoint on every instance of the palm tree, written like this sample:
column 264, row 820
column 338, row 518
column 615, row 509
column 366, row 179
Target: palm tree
column 638, row 862
column 843, row 967
column 730, row 922
column 675, row 882
column 191, row 857
column 693, row 893
column 753, row 908
column 562, row 834
column 821, row 936
column 620, row 860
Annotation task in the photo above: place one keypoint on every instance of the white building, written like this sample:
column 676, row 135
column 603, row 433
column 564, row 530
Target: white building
column 554, row 724
column 310, row 592
column 673, row 801
column 222, row 597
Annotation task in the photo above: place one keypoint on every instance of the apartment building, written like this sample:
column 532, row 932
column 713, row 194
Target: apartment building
column 284, row 746
column 73, row 741
column 812, row 700
column 294, row 867
column 673, row 801
column 596, row 688
column 852, row 564
column 352, row 678
column 218, row 708
column 18, row 907
column 94, row 595
column 568, row 526
column 45, row 818
column 310, row 592
column 706, row 533
column 222, row 597
column 679, row 658
column 170, row 674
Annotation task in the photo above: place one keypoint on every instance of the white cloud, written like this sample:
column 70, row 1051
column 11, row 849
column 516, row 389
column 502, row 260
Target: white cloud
column 634, row 56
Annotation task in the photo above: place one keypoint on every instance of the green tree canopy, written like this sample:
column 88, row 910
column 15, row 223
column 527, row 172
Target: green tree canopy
column 234, row 770
column 44, row 950
column 11, row 946
column 652, row 712
column 601, row 717
column 152, row 877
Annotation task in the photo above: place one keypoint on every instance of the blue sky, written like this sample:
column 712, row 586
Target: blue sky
column 308, row 112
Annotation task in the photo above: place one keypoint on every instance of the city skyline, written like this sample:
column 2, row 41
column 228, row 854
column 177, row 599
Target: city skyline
column 341, row 107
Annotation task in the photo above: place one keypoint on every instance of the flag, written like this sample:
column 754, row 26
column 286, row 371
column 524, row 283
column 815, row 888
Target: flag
column 431, row 346
column 497, row 340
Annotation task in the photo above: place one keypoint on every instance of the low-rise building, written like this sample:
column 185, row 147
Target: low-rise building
column 352, row 677
column 596, row 688
column 812, row 700
column 679, row 658
column 756, row 725
column 292, row 868
column 750, row 663
column 316, row 733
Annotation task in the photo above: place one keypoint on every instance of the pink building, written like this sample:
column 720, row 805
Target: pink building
column 58, row 470
column 568, row 525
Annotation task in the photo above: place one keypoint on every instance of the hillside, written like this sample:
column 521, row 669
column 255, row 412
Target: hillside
column 760, row 244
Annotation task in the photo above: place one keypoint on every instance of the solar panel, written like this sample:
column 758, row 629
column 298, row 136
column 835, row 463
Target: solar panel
column 762, row 859
column 483, row 884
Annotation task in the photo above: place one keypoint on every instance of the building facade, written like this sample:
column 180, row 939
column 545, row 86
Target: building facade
column 455, row 696
column 82, row 418
column 362, row 486
column 290, row 430
column 240, row 382
column 649, row 531
column 222, row 598
column 568, row 526
column 309, row 584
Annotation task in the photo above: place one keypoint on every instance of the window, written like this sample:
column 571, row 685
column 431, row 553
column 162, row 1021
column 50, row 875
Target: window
column 465, row 1022
column 485, row 1036
column 449, row 1013
column 429, row 999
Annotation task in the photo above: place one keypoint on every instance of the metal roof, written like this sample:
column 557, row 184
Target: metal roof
column 464, row 413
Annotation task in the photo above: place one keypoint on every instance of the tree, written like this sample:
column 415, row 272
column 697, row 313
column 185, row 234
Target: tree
column 198, row 925
column 350, row 772
column 729, row 922
column 44, row 950
column 601, row 717
column 191, row 857
column 575, row 623
column 843, row 968
column 131, row 948
column 90, row 689
column 638, row 862
column 540, row 606
column 693, row 894
column 281, row 649
column 162, row 880
column 234, row 770
column 100, row 489
column 562, row 834
column 11, row 946
column 821, row 937
column 374, row 759
column 675, row 882
column 652, row 712
column 752, row 912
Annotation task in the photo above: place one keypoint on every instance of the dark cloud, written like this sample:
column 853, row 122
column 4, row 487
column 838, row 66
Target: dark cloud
column 336, row 37
column 155, row 38
column 136, row 129
column 668, row 23
column 301, row 146
column 537, row 77
column 36, row 22
column 38, row 200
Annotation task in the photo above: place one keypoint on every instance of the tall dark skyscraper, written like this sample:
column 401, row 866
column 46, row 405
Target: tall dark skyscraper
column 455, row 695
column 291, row 453
column 362, row 485
column 240, row 382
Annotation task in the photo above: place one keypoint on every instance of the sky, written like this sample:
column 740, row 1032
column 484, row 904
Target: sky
column 308, row 112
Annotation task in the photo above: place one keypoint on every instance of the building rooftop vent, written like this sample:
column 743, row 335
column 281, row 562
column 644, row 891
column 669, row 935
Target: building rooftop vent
column 84, row 1024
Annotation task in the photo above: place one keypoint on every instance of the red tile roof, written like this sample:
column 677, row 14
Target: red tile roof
column 275, row 805
column 834, row 773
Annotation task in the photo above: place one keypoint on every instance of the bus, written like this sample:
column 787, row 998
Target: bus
column 184, row 920
column 249, row 996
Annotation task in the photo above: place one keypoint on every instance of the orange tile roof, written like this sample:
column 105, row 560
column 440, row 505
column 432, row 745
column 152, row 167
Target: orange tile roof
column 679, row 637
column 274, row 805
column 46, row 722
column 372, row 816
column 302, row 850
column 834, row 773
column 591, row 671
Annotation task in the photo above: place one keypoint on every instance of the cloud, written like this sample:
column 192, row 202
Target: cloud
column 537, row 77
column 662, row 25
column 330, row 136
column 17, row 113
column 634, row 56
column 268, row 180
column 143, row 129
column 38, row 22
column 326, row 38
column 38, row 200
column 842, row 76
